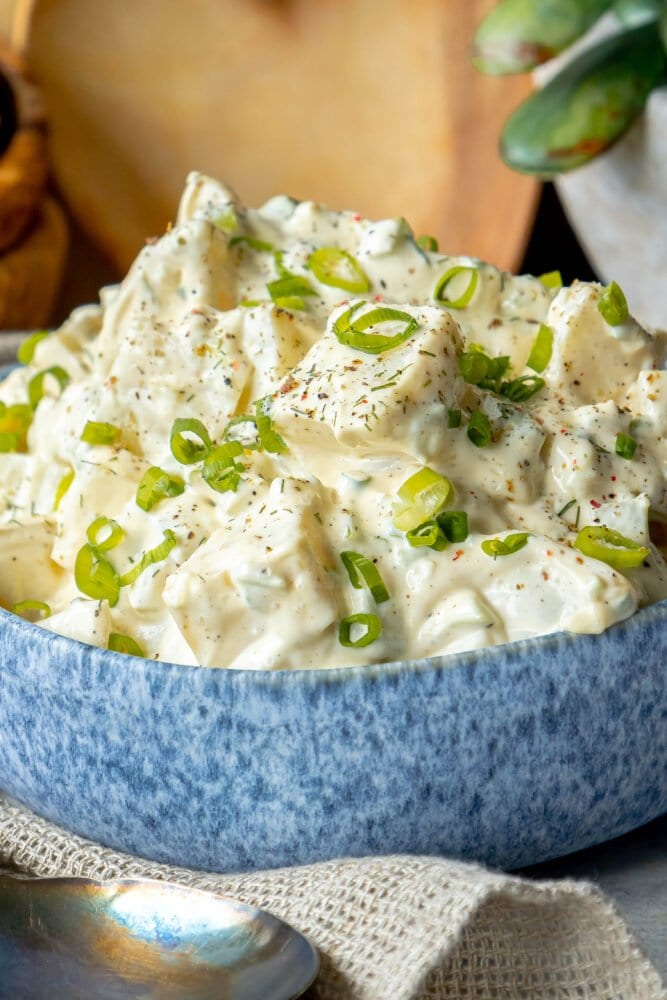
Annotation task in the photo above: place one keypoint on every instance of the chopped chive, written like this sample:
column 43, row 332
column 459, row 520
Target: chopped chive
column 36, row 383
column 454, row 525
column 97, row 432
column 505, row 546
column 362, row 572
column 184, row 449
column 352, row 332
column 26, row 351
column 119, row 643
column 104, row 534
column 428, row 243
column 62, row 488
column 250, row 241
column 479, row 429
column 220, row 471
column 522, row 388
column 609, row 546
column 32, row 611
column 95, row 576
column 155, row 485
column 454, row 418
column 269, row 439
column 338, row 269
column 429, row 534
column 626, row 446
column 540, row 352
column 373, row 630
column 149, row 558
column 466, row 296
column 613, row 305
column 551, row 279
column 423, row 496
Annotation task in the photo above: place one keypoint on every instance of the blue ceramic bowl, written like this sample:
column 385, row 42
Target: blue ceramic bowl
column 510, row 755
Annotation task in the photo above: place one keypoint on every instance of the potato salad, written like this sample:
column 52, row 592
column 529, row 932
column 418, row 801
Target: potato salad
column 296, row 438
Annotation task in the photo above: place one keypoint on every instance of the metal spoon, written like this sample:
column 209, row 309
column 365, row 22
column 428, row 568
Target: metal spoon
column 76, row 938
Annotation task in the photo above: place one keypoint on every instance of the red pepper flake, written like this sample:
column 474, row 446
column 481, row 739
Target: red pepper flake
column 549, row 552
column 304, row 395
column 580, row 560
column 457, row 554
column 356, row 218
column 545, row 575
column 377, row 298
column 596, row 504
column 613, row 479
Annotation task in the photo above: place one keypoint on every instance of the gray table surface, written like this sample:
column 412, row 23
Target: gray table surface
column 632, row 869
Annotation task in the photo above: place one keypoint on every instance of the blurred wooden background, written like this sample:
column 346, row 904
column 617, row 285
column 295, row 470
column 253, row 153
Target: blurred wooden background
column 367, row 104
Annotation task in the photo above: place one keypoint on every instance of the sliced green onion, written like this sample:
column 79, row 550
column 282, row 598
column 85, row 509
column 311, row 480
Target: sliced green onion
column 454, row 418
column 220, row 471
column 609, row 546
column 155, row 485
column 278, row 257
column 158, row 554
column 352, row 332
column 522, row 388
column 464, row 298
column 184, row 449
column 477, row 368
column 540, row 352
column 423, row 495
column 96, row 432
column 243, row 438
column 14, row 423
column 428, row 243
column 363, row 573
column 289, row 291
column 338, row 269
column 551, row 279
column 120, row 643
column 95, row 576
column 250, row 241
column 105, row 534
column 626, row 446
column 453, row 524
column 479, row 429
column 32, row 611
column 613, row 305
column 36, row 383
column 26, row 351
column 373, row 630
column 63, row 487
column 506, row 546
column 269, row 439
column 427, row 534
column 9, row 441
column 228, row 220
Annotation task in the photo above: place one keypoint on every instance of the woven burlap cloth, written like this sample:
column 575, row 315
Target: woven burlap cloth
column 400, row 928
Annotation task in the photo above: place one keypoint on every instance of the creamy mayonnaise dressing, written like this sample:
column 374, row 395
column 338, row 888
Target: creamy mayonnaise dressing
column 253, row 576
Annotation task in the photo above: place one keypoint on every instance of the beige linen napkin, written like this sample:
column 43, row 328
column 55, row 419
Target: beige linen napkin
column 400, row 928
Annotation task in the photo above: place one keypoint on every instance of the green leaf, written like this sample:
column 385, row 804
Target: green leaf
column 586, row 107
column 520, row 34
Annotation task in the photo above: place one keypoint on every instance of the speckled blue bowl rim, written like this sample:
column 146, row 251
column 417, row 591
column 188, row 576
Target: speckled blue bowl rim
column 653, row 613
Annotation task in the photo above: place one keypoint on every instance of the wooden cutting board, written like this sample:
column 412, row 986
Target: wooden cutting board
column 364, row 104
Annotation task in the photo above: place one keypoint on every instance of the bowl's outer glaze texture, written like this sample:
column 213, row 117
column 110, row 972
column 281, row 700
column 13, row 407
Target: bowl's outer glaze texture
column 509, row 755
